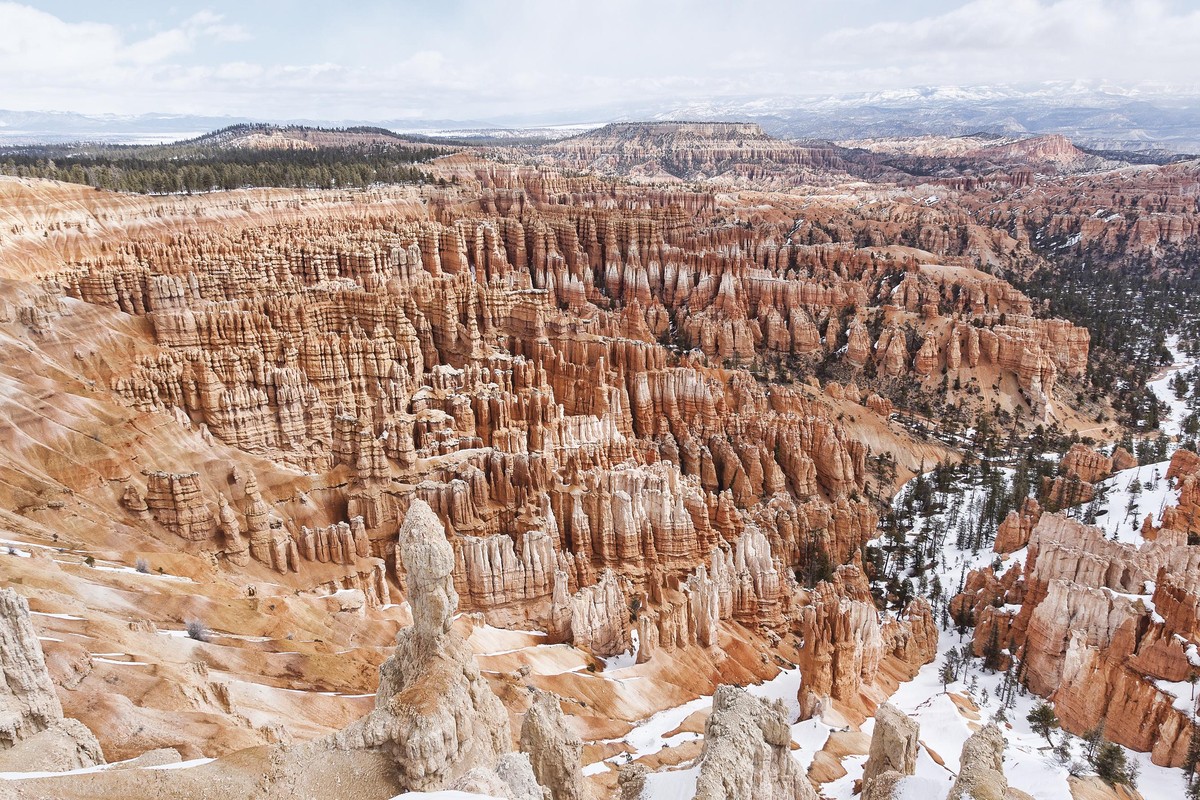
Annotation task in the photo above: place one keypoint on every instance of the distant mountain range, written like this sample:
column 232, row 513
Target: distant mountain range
column 1092, row 115
column 1098, row 117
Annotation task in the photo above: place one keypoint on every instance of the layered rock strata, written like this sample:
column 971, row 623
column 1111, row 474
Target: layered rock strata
column 1100, row 627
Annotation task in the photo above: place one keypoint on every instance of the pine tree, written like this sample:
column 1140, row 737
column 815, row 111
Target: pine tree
column 1112, row 766
column 1193, row 756
column 992, row 654
column 947, row 674
column 1043, row 720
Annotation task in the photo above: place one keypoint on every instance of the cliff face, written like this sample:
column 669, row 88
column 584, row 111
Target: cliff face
column 1102, row 628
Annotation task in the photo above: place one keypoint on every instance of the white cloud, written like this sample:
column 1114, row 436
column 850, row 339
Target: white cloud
column 988, row 41
column 483, row 59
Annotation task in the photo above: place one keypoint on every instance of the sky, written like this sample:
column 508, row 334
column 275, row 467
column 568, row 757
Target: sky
column 562, row 59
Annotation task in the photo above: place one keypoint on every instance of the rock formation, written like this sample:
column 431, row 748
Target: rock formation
column 845, row 641
column 1013, row 533
column 176, row 502
column 512, row 779
column 1089, row 465
column 553, row 750
column 1098, row 624
column 893, row 752
column 640, row 411
column 435, row 715
column 34, row 735
column 1184, row 472
column 631, row 781
column 981, row 767
column 747, row 752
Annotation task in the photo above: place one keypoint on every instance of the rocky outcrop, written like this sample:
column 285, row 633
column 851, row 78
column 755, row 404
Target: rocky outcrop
column 893, row 752
column 631, row 781
column 176, row 501
column 1085, row 462
column 237, row 550
column 981, row 767
column 553, row 750
column 600, row 617
column 1084, row 617
column 34, row 735
column 1122, row 459
column 1079, row 469
column 845, row 641
column 1184, row 472
column 747, row 752
column 1013, row 533
column 435, row 714
column 512, row 779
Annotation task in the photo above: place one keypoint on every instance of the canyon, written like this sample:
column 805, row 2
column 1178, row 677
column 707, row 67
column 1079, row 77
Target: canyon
column 562, row 473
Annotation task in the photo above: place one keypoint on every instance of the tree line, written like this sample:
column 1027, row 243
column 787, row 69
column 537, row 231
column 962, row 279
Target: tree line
column 174, row 169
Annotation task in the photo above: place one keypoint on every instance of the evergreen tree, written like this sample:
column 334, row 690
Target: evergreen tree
column 1112, row 765
column 1043, row 720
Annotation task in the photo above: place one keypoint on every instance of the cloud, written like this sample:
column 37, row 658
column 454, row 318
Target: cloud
column 39, row 42
column 989, row 41
column 213, row 26
column 475, row 59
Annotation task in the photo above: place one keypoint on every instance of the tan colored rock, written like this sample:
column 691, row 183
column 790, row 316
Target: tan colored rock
column 512, row 779
column 894, row 747
column 631, row 781
column 236, row 548
column 1085, row 462
column 845, row 641
column 175, row 500
column 981, row 767
column 1122, row 459
column 892, row 352
column 858, row 347
column 554, row 751
column 1086, row 638
column 882, row 786
column 747, row 752
column 34, row 735
column 600, row 617
column 435, row 714
column 927, row 358
column 1013, row 533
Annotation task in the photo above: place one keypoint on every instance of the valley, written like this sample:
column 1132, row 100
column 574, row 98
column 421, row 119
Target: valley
column 523, row 465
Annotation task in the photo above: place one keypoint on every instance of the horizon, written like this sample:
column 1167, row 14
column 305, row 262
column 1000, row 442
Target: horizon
column 477, row 62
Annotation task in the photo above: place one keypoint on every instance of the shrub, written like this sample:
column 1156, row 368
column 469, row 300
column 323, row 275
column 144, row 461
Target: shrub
column 197, row 630
column 143, row 566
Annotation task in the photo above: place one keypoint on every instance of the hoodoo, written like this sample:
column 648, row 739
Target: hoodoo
column 731, row 449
